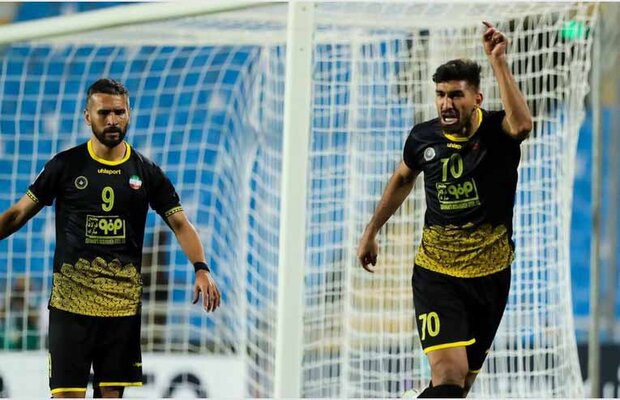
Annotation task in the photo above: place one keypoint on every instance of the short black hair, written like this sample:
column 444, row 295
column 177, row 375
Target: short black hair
column 459, row 70
column 107, row 86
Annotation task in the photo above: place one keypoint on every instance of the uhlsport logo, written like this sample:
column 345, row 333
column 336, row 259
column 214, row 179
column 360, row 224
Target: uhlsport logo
column 429, row 153
column 81, row 182
column 135, row 182
column 109, row 171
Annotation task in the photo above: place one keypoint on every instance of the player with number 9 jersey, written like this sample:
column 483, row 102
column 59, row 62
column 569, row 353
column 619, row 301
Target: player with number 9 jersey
column 102, row 191
column 101, row 209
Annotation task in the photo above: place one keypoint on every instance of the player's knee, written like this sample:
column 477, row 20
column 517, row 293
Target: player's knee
column 69, row 395
column 448, row 370
column 114, row 392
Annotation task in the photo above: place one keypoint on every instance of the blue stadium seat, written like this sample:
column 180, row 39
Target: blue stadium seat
column 35, row 10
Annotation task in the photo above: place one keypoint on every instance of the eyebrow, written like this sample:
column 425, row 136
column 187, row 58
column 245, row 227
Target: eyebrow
column 112, row 109
column 457, row 91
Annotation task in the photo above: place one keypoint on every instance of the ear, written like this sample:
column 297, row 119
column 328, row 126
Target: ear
column 128, row 107
column 87, row 117
column 479, row 98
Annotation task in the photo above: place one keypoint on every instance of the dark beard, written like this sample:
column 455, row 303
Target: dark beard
column 110, row 142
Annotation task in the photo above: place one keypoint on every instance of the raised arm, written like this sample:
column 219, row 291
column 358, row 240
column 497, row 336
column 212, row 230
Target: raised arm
column 189, row 240
column 17, row 215
column 396, row 191
column 518, row 120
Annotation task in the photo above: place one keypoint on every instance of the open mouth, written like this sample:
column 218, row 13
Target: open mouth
column 449, row 119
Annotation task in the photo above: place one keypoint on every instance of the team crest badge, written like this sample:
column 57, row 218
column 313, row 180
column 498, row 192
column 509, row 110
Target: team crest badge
column 429, row 153
column 135, row 182
column 81, row 182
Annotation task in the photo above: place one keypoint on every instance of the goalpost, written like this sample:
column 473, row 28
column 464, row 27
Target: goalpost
column 214, row 103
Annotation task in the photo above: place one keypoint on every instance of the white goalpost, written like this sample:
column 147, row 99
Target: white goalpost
column 279, row 126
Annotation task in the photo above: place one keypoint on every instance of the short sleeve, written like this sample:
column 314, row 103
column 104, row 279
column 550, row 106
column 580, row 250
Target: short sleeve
column 45, row 187
column 163, row 198
column 496, row 118
column 409, row 152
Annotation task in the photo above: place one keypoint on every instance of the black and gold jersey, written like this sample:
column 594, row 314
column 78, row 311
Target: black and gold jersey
column 470, row 186
column 101, row 210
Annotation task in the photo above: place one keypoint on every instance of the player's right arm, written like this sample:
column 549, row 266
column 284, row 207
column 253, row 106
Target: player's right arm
column 17, row 215
column 396, row 191
column 40, row 194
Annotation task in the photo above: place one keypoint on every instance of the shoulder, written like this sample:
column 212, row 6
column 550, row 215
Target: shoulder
column 492, row 128
column 149, row 167
column 493, row 118
column 420, row 138
column 70, row 156
column 76, row 151
column 423, row 133
column 141, row 159
column 425, row 129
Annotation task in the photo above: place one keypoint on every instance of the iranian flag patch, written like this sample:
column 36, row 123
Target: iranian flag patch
column 135, row 182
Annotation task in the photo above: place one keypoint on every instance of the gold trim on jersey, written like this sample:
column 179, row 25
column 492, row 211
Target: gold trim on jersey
column 449, row 345
column 474, row 371
column 457, row 138
column 108, row 384
column 97, row 288
column 71, row 389
column 95, row 157
column 173, row 210
column 465, row 252
column 32, row 196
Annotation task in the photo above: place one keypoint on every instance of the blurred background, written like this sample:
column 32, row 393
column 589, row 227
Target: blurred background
column 581, row 225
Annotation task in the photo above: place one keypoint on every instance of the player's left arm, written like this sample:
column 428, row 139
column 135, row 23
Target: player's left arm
column 192, row 247
column 518, row 120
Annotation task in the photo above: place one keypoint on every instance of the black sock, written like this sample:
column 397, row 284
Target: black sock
column 442, row 392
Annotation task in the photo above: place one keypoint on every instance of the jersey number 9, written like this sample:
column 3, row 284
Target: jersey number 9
column 107, row 196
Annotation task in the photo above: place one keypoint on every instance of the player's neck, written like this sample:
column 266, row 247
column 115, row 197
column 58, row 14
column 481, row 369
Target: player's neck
column 475, row 122
column 469, row 129
column 104, row 152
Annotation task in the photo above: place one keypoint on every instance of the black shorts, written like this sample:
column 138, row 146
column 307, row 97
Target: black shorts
column 110, row 344
column 452, row 312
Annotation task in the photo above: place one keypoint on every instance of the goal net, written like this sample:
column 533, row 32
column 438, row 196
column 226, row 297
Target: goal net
column 207, row 95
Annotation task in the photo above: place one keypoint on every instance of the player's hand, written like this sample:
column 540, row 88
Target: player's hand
column 494, row 41
column 367, row 252
column 206, row 285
